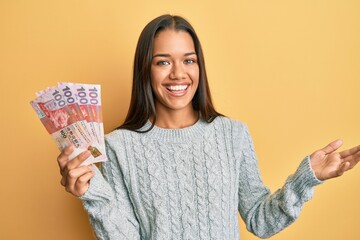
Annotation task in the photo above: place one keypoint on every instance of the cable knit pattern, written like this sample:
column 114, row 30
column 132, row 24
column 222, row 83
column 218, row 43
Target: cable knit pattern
column 189, row 183
column 201, row 192
column 136, row 152
column 214, row 186
column 225, row 199
column 184, row 174
column 172, row 189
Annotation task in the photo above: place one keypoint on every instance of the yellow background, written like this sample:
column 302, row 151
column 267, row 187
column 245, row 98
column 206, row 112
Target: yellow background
column 289, row 69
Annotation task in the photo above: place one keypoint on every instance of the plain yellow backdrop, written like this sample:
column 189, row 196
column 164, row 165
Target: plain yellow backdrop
column 289, row 69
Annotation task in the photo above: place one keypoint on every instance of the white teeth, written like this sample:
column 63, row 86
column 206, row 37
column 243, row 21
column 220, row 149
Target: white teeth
column 177, row 87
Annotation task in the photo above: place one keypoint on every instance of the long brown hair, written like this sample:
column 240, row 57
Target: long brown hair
column 142, row 104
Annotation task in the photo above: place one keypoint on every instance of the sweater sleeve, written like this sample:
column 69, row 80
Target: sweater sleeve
column 108, row 204
column 266, row 214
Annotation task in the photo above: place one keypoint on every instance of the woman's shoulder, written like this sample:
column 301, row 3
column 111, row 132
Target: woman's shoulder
column 236, row 131
column 116, row 136
column 230, row 123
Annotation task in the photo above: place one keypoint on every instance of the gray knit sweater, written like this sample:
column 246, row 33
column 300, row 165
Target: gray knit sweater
column 189, row 183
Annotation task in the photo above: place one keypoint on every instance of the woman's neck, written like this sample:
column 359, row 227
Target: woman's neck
column 176, row 119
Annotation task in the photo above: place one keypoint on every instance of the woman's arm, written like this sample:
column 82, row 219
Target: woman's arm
column 104, row 195
column 266, row 214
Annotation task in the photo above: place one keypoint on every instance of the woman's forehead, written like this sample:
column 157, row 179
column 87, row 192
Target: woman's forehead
column 173, row 41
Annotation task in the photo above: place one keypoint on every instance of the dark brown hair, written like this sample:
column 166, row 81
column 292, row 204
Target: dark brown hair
column 142, row 104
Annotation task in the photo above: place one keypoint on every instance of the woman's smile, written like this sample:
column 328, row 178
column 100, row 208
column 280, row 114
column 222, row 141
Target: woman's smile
column 178, row 90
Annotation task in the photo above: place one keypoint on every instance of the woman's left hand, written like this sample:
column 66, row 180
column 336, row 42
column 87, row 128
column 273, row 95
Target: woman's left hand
column 327, row 163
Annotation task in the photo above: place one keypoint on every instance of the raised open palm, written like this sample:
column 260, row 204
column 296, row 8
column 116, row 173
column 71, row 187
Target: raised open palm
column 327, row 163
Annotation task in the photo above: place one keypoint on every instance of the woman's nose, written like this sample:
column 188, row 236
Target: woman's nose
column 177, row 72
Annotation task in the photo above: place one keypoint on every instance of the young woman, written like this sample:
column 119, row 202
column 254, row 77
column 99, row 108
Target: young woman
column 177, row 169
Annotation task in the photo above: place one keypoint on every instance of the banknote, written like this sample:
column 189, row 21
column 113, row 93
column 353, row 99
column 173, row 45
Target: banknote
column 72, row 102
column 94, row 100
column 69, row 120
column 81, row 93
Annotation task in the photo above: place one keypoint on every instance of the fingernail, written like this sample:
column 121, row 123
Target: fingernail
column 86, row 154
column 68, row 149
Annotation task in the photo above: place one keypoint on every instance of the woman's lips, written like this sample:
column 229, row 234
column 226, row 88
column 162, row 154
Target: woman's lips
column 177, row 90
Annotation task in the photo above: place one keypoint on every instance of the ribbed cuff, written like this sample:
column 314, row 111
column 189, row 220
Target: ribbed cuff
column 99, row 189
column 304, row 179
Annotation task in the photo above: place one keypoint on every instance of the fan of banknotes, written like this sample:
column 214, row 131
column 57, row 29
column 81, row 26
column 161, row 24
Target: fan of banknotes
column 71, row 113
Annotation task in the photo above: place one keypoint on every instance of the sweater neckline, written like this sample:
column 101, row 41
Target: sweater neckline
column 177, row 134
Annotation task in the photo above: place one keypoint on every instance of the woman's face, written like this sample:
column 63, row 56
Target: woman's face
column 174, row 71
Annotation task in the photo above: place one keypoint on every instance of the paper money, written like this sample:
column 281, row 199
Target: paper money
column 71, row 113
column 94, row 99
column 72, row 101
column 82, row 95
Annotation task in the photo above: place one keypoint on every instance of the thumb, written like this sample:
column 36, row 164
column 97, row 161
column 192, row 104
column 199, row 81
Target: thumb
column 333, row 146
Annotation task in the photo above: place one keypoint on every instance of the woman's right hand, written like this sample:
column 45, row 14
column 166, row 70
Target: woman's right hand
column 75, row 178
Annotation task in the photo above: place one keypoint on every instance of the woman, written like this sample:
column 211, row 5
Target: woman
column 177, row 168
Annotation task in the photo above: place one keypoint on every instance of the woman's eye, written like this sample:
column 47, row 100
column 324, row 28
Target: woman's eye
column 162, row 63
column 189, row 61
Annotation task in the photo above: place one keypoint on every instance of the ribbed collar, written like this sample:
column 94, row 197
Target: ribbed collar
column 176, row 135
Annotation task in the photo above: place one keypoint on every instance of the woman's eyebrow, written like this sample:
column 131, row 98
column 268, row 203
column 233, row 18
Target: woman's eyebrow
column 161, row 55
column 190, row 53
column 168, row 55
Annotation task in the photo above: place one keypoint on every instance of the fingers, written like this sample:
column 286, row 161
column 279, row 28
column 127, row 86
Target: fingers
column 349, row 152
column 333, row 146
column 65, row 164
column 71, row 176
column 343, row 168
column 77, row 161
column 64, row 156
column 77, row 180
column 352, row 159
